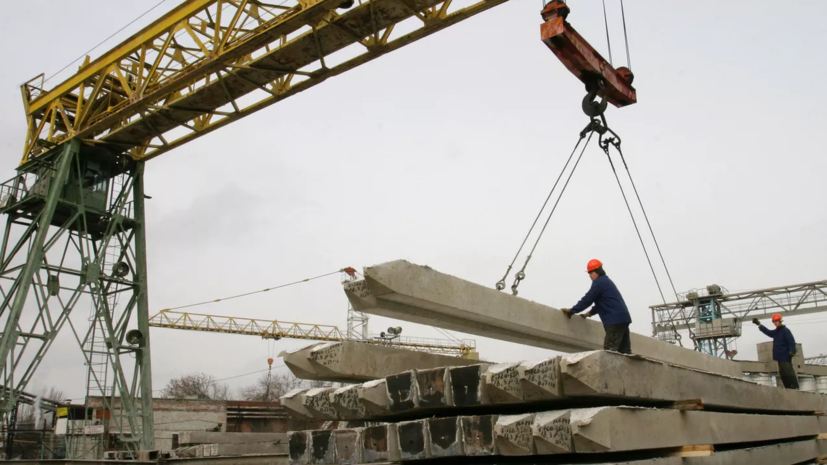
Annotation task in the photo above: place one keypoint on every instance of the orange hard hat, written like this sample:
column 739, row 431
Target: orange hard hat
column 776, row 317
column 593, row 265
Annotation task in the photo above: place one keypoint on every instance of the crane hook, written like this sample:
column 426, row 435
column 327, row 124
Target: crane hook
column 590, row 106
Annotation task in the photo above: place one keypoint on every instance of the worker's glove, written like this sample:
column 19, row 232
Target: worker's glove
column 755, row 320
column 566, row 311
column 585, row 315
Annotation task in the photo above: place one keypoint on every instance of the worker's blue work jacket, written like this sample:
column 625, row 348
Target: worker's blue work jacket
column 608, row 303
column 783, row 342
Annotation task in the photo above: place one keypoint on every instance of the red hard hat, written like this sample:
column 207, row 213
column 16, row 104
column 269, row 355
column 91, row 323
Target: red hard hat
column 776, row 317
column 593, row 265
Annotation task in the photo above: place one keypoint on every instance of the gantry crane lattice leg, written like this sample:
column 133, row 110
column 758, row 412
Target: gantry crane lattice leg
column 74, row 235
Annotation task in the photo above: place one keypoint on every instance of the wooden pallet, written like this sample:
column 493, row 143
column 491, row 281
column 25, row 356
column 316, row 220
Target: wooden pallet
column 688, row 404
column 693, row 451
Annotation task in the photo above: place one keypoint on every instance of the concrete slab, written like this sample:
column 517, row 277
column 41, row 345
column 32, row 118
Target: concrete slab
column 352, row 361
column 420, row 294
column 188, row 438
column 513, row 436
column 604, row 373
column 596, row 429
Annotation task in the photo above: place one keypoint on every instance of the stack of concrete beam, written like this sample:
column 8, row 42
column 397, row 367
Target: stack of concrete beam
column 217, row 444
column 608, row 407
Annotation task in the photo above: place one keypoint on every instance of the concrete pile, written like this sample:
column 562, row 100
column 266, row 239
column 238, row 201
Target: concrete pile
column 218, row 444
column 419, row 294
column 601, row 407
column 351, row 361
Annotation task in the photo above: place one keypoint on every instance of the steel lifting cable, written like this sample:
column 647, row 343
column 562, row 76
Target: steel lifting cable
column 501, row 283
column 616, row 143
column 608, row 41
column 625, row 39
column 520, row 276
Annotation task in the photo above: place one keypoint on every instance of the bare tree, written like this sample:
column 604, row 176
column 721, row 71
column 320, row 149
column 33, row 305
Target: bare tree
column 270, row 388
column 201, row 385
column 29, row 414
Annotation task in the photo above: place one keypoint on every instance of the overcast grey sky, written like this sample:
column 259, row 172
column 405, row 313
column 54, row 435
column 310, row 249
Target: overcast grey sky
column 442, row 152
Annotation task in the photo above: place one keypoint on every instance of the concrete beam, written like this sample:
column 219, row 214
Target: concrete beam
column 748, row 366
column 422, row 295
column 596, row 429
column 610, row 374
column 352, row 361
column 189, row 438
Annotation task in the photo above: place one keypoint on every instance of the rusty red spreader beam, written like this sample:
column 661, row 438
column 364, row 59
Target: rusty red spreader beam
column 583, row 60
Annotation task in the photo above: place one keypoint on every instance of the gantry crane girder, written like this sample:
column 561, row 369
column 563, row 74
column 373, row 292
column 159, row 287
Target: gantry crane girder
column 796, row 299
column 208, row 63
column 274, row 329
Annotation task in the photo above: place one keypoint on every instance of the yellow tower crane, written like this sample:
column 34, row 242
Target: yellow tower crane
column 274, row 329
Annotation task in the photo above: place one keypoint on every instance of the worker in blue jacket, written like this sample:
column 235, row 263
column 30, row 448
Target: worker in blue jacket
column 609, row 304
column 783, row 350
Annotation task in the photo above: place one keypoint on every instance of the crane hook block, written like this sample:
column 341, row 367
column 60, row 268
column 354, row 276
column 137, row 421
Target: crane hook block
column 583, row 60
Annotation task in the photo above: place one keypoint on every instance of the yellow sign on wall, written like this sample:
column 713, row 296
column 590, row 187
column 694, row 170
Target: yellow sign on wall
column 62, row 412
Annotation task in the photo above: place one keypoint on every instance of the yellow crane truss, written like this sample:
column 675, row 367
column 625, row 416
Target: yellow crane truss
column 208, row 63
column 274, row 329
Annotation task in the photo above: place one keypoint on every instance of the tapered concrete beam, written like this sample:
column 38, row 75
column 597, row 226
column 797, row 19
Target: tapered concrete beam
column 445, row 437
column 293, row 404
column 352, row 361
column 380, row 444
column 188, row 438
column 346, row 402
column 596, row 429
column 348, row 446
column 422, row 295
column 552, row 432
column 412, row 437
column 478, row 435
column 611, row 374
column 513, row 435
column 317, row 402
column 373, row 395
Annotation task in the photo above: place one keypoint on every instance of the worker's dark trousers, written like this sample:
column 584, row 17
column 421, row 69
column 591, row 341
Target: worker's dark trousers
column 788, row 376
column 618, row 338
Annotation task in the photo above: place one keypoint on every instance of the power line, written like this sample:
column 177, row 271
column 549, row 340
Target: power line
column 105, row 40
column 253, row 292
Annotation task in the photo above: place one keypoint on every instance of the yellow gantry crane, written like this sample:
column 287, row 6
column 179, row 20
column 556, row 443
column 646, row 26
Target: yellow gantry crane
column 274, row 329
column 75, row 209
